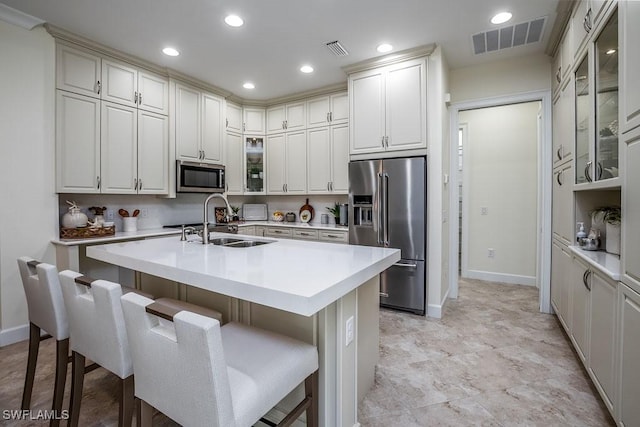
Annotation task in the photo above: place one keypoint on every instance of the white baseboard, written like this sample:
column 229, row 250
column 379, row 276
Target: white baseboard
column 435, row 310
column 14, row 335
column 512, row 279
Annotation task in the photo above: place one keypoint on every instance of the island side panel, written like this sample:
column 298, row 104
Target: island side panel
column 347, row 362
column 368, row 334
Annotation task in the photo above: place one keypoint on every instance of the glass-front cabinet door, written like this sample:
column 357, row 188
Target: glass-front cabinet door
column 583, row 109
column 254, row 155
column 606, row 101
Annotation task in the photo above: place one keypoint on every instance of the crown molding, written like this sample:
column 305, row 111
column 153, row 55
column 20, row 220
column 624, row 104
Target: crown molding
column 563, row 16
column 66, row 37
column 21, row 19
column 392, row 58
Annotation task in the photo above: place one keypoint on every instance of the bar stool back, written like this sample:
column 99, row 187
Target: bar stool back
column 97, row 332
column 214, row 376
column 46, row 312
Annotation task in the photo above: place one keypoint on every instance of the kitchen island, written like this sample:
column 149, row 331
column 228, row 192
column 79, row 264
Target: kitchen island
column 323, row 293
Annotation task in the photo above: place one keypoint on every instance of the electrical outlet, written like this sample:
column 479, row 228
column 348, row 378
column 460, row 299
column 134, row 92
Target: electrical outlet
column 109, row 215
column 484, row 210
column 349, row 333
column 491, row 253
column 144, row 212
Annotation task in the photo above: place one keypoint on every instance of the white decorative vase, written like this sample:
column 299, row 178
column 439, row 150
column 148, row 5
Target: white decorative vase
column 613, row 238
column 74, row 218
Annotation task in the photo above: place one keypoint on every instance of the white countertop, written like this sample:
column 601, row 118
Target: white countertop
column 298, row 276
column 608, row 264
column 119, row 236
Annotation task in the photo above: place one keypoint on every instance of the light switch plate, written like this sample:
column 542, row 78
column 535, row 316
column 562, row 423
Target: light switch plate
column 349, row 333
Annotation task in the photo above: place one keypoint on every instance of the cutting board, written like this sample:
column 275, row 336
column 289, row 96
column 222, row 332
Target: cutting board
column 306, row 207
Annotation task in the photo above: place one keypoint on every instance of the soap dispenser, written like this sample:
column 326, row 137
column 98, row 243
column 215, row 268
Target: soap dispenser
column 581, row 234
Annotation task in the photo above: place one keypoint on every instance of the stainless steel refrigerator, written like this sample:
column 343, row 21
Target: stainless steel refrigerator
column 387, row 207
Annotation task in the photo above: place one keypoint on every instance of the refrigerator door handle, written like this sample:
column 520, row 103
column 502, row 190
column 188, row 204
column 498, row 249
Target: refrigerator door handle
column 400, row 264
column 385, row 210
column 381, row 203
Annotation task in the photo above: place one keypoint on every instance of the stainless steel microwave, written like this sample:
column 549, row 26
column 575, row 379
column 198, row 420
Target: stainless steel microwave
column 193, row 177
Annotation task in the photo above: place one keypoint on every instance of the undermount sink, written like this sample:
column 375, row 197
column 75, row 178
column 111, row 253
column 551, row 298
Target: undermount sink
column 231, row 242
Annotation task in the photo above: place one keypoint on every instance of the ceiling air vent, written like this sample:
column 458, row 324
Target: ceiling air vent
column 507, row 37
column 337, row 49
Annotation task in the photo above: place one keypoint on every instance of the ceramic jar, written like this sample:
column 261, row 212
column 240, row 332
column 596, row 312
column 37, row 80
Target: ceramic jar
column 74, row 218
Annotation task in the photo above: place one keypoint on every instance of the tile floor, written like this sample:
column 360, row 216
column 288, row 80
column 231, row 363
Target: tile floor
column 493, row 360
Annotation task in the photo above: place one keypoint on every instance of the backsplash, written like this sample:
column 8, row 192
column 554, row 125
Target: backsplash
column 156, row 212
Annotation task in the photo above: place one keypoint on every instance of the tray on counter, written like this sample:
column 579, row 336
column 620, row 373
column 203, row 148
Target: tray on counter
column 86, row 232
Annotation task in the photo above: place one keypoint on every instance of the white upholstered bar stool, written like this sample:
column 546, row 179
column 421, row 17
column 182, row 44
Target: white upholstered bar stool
column 46, row 312
column 210, row 375
column 97, row 332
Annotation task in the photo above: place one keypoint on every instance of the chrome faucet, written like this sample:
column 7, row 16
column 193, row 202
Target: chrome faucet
column 205, row 231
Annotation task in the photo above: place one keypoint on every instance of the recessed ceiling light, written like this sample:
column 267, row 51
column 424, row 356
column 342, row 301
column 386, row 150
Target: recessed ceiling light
column 234, row 21
column 501, row 18
column 249, row 85
column 170, row 51
column 384, row 48
column 611, row 51
column 306, row 69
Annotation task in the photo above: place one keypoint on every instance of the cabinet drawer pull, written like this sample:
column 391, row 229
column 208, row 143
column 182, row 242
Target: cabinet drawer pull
column 305, row 234
column 399, row 264
column 333, row 236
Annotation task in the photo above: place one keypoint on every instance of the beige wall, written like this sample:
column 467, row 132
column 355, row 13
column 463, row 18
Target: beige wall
column 27, row 212
column 501, row 78
column 500, row 173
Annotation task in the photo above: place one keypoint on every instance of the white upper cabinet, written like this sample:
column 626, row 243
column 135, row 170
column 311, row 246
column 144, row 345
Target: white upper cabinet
column 563, row 131
column 328, row 160
column 153, row 93
column 78, row 71
column 328, row 110
column 199, row 130
column 212, row 130
column 77, row 143
column 233, row 154
column 127, row 85
column 118, row 149
column 284, row 118
column 234, row 118
column 388, row 108
column 188, row 145
column 119, row 83
column 287, row 163
column 629, row 65
column 253, row 120
column 153, row 153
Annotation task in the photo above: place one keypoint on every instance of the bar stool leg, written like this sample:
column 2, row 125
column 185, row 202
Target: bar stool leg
column 62, row 360
column 34, row 345
column 146, row 414
column 127, row 402
column 77, row 378
column 311, row 390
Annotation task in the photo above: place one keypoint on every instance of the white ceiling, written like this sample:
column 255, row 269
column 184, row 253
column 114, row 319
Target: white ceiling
column 281, row 35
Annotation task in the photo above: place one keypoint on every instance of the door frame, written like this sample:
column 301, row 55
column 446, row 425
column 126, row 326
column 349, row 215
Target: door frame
column 545, row 167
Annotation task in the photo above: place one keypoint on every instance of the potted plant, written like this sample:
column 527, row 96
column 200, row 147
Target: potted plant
column 235, row 210
column 611, row 217
column 335, row 211
column 254, row 172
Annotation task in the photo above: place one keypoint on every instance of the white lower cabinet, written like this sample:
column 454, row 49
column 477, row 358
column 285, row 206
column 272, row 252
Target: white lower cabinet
column 628, row 409
column 280, row 232
column 284, row 232
column 580, row 307
column 305, row 234
column 560, row 282
column 334, row 236
column 602, row 336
